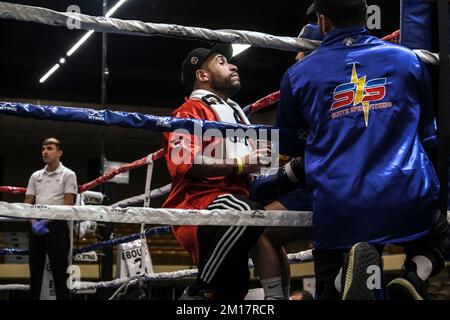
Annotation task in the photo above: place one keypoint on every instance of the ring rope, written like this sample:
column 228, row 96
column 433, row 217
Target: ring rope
column 157, row 216
column 140, row 198
column 14, row 287
column 12, row 251
column 133, row 27
column 12, row 190
column 160, row 216
column 119, row 118
column 302, row 256
column 101, row 244
column 100, row 180
column 263, row 103
column 125, row 239
column 252, row 108
column 126, row 167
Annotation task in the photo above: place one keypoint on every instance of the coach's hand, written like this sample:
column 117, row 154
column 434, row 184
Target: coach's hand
column 278, row 181
column 266, row 188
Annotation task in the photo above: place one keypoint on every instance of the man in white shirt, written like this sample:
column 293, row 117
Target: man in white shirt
column 53, row 185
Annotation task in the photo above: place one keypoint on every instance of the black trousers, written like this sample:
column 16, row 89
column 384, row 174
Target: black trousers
column 434, row 246
column 57, row 246
column 223, row 251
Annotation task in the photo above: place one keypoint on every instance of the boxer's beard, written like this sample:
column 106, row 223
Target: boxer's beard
column 227, row 86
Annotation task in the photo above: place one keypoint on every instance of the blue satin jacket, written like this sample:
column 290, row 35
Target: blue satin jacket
column 366, row 106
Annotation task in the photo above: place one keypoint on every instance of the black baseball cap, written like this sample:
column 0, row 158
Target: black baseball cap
column 339, row 9
column 195, row 59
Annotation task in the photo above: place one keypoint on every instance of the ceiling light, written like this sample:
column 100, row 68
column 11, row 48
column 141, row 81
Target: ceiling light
column 239, row 48
column 49, row 73
column 80, row 42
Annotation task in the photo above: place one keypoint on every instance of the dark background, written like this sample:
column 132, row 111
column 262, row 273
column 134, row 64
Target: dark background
column 145, row 70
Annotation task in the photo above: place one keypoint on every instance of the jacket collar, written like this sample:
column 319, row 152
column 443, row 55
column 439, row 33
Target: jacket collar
column 343, row 33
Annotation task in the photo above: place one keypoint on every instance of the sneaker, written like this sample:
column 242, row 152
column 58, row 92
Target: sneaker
column 408, row 287
column 355, row 272
column 190, row 293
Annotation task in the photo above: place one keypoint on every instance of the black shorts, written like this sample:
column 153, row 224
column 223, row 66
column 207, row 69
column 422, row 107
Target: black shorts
column 223, row 251
column 434, row 246
column 56, row 245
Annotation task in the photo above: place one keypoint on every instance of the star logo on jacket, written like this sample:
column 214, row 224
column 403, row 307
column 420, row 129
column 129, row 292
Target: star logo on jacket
column 359, row 95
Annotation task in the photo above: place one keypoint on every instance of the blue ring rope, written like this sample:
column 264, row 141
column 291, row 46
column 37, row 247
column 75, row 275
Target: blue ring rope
column 98, row 245
column 291, row 140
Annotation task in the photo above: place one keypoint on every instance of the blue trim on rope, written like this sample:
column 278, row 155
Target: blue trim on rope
column 99, row 245
column 18, row 252
column 148, row 122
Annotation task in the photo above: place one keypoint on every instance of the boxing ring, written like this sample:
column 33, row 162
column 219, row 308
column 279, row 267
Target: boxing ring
column 120, row 212
column 125, row 211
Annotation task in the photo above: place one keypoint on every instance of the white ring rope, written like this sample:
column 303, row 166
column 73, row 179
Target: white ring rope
column 140, row 198
column 159, row 192
column 12, row 219
column 92, row 197
column 302, row 256
column 14, row 287
column 158, row 216
column 133, row 27
column 181, row 274
column 278, row 218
